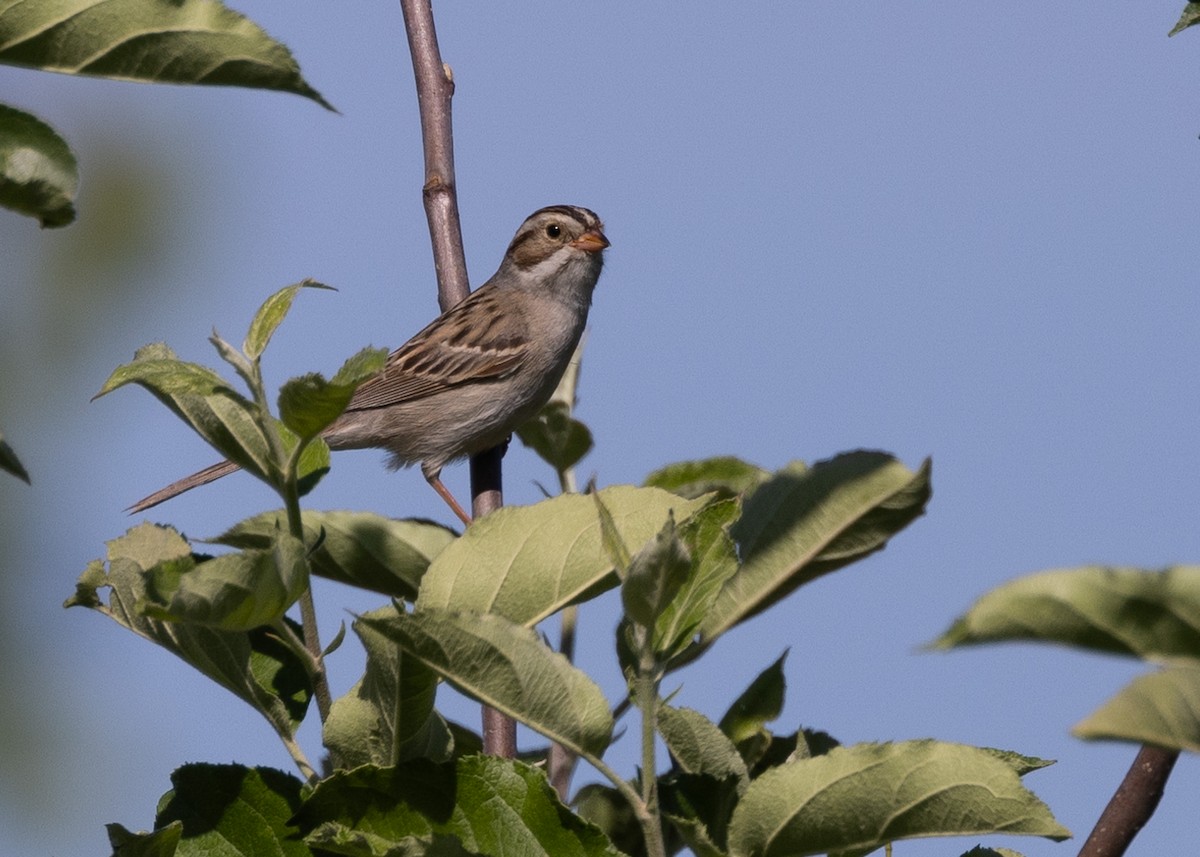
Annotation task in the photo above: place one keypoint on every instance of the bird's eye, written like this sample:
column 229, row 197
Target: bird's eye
column 554, row 230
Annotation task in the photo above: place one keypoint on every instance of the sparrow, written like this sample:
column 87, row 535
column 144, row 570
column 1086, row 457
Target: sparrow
column 478, row 371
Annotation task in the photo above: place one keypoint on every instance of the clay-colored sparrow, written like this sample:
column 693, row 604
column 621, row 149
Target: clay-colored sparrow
column 465, row 382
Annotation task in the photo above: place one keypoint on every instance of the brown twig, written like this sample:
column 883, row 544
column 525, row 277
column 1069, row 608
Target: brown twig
column 1132, row 804
column 435, row 88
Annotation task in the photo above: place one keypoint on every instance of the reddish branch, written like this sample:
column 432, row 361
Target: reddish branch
column 435, row 88
column 1133, row 803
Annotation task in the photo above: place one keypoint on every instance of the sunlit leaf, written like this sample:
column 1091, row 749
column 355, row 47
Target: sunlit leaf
column 862, row 797
column 726, row 476
column 806, row 522
column 358, row 548
column 525, row 562
column 1161, row 708
column 271, row 314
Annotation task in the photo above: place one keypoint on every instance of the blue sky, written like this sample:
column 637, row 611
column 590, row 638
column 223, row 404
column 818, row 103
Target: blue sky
column 958, row 230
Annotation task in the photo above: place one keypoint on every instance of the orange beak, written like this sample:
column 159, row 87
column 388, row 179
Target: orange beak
column 591, row 241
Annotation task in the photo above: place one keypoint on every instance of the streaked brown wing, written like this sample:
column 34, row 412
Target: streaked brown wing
column 472, row 342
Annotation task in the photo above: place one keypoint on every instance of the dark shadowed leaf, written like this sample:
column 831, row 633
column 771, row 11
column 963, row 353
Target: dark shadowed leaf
column 490, row 805
column 233, row 810
column 169, row 41
column 10, row 463
column 38, row 173
column 758, row 705
column 557, row 437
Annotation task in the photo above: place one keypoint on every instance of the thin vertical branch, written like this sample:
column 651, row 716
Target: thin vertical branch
column 1132, row 804
column 435, row 88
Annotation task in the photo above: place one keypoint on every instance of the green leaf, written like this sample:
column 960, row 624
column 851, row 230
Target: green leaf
column 1125, row 611
column 256, row 666
column 758, row 704
column 234, row 592
column 557, row 437
column 1190, row 17
column 201, row 398
column 526, row 562
column 309, row 404
column 271, row 314
column 726, row 476
column 713, row 563
column 233, row 810
column 806, row 522
column 182, row 41
column 867, row 795
column 699, row 747
column 510, row 668
column 10, row 463
column 1162, row 708
column 160, row 843
column 38, row 173
column 655, row 576
column 490, row 805
column 388, row 716
column 357, row 548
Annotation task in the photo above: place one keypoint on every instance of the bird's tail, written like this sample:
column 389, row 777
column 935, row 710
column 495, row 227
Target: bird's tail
column 187, row 483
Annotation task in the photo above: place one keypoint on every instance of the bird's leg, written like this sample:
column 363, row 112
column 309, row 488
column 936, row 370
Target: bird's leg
column 435, row 482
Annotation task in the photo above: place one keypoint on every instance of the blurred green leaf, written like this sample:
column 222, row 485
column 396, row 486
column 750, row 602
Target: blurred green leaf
column 233, row 810
column 358, row 548
column 726, row 476
column 38, row 173
column 489, row 805
column 1153, row 615
column 806, row 522
column 508, row 667
column 526, row 562
column 256, row 667
column 862, row 797
column 10, row 463
column 181, row 41
column 1162, row 708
